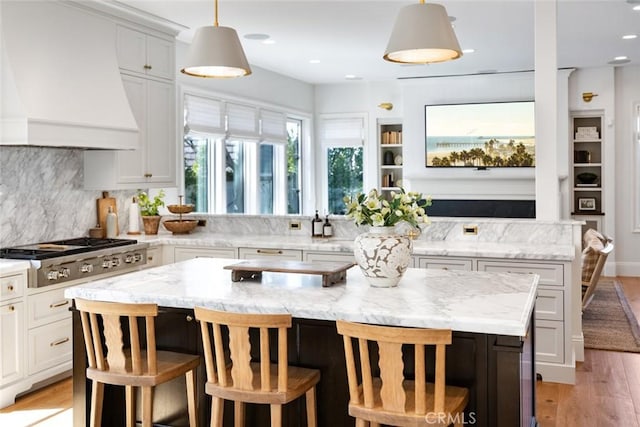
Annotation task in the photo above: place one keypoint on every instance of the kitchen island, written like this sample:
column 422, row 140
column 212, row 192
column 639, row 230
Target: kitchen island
column 491, row 315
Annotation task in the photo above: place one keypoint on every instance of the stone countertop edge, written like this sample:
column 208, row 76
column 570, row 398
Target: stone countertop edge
column 13, row 266
column 420, row 247
column 466, row 301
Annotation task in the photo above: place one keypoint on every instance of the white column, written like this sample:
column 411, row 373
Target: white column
column 546, row 94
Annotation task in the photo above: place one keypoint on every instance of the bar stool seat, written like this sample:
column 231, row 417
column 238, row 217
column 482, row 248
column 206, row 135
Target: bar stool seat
column 131, row 367
column 243, row 381
column 391, row 398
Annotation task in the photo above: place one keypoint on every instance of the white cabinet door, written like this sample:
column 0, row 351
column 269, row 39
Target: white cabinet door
column 131, row 164
column 161, row 144
column 154, row 257
column 145, row 54
column 160, row 57
column 12, row 286
column 549, row 341
column 12, row 332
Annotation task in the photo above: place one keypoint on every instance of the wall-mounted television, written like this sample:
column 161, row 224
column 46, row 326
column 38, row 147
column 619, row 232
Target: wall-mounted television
column 480, row 135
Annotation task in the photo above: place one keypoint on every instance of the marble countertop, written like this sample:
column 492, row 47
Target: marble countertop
column 12, row 266
column 421, row 247
column 480, row 302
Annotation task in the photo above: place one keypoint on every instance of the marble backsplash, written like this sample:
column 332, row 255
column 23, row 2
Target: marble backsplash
column 42, row 196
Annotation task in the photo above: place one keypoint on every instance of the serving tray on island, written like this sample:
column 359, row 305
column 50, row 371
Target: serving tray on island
column 331, row 272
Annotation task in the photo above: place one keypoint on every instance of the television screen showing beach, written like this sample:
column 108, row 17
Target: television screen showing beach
column 499, row 134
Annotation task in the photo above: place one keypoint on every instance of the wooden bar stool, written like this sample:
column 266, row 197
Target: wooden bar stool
column 134, row 366
column 241, row 380
column 390, row 398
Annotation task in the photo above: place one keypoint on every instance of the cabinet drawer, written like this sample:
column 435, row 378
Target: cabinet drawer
column 549, row 341
column 443, row 263
column 183, row 254
column 12, row 286
column 286, row 254
column 50, row 345
column 47, row 307
column 550, row 304
column 550, row 274
column 329, row 256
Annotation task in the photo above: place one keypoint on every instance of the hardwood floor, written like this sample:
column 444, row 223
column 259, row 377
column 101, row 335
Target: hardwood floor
column 606, row 393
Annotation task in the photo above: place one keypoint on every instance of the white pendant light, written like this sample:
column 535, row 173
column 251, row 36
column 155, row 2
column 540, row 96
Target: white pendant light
column 422, row 34
column 216, row 52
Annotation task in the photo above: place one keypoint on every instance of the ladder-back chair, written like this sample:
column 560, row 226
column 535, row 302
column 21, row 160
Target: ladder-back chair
column 243, row 381
column 391, row 398
column 136, row 366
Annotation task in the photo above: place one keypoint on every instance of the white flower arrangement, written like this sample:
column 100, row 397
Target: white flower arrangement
column 373, row 209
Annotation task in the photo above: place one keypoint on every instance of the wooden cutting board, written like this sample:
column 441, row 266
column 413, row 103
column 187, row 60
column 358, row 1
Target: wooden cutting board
column 103, row 205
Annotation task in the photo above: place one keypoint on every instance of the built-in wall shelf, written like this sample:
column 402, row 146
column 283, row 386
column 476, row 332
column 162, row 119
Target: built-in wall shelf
column 390, row 161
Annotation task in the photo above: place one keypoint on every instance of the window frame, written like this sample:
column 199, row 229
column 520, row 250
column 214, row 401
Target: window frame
column 324, row 144
column 217, row 200
column 635, row 140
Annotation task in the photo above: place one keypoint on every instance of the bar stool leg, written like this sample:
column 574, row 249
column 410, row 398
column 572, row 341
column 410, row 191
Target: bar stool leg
column 276, row 415
column 147, row 406
column 312, row 416
column 97, row 393
column 238, row 413
column 217, row 408
column 130, row 399
column 191, row 398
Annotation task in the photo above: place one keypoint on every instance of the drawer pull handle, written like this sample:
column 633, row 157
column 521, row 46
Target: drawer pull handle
column 59, row 304
column 189, row 318
column 62, row 341
column 150, row 258
column 10, row 288
column 445, row 268
column 147, row 67
column 12, row 308
column 269, row 252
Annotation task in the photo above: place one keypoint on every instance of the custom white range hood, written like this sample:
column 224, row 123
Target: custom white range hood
column 61, row 86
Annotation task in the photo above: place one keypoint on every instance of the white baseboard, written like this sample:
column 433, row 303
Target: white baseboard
column 578, row 347
column 556, row 373
column 629, row 269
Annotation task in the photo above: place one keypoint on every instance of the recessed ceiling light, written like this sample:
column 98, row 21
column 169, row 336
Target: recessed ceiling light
column 314, row 61
column 352, row 77
column 468, row 50
column 256, row 36
column 629, row 36
column 269, row 41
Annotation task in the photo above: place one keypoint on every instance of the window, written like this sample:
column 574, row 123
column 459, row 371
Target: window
column 636, row 142
column 240, row 158
column 294, row 184
column 343, row 159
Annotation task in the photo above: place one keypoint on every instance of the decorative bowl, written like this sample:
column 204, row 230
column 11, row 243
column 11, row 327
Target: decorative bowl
column 587, row 178
column 180, row 209
column 180, row 226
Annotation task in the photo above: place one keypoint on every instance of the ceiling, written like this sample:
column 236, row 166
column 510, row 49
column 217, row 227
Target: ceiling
column 349, row 37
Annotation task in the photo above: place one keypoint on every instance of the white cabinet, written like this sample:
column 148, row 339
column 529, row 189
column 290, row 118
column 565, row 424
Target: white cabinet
column 154, row 257
column 185, row 253
column 12, row 329
column 145, row 54
column 281, row 254
column 154, row 163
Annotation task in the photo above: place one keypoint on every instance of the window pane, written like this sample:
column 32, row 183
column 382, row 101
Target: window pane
column 266, row 178
column 196, row 172
column 294, row 130
column 344, row 176
column 234, row 173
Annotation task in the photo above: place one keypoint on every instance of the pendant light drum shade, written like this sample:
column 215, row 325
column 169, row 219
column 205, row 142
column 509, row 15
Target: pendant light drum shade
column 216, row 52
column 422, row 34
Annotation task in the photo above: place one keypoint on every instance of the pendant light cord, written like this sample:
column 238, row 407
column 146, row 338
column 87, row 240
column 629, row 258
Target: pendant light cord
column 215, row 23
